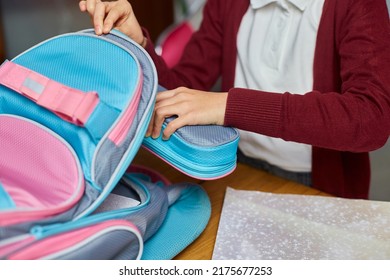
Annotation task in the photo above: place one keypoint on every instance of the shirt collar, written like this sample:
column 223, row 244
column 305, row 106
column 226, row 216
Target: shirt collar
column 300, row 4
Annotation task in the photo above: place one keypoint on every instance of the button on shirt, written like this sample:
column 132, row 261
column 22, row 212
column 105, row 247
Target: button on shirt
column 276, row 43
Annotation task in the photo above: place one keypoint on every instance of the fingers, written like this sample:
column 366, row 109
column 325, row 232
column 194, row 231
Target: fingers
column 157, row 120
column 160, row 114
column 88, row 6
column 173, row 126
column 166, row 106
column 112, row 17
column 104, row 14
column 107, row 15
column 191, row 107
column 98, row 17
column 95, row 8
column 168, row 103
column 155, row 125
column 83, row 6
column 150, row 127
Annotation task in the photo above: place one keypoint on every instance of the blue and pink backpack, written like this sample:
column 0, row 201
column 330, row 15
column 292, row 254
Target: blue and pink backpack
column 74, row 110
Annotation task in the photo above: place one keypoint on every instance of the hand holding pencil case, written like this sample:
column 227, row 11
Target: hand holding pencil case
column 201, row 151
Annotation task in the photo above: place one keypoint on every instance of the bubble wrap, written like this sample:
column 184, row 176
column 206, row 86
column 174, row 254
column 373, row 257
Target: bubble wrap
column 256, row 225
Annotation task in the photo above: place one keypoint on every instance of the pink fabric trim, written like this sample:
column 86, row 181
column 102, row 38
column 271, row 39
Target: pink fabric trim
column 120, row 131
column 68, row 103
column 66, row 240
column 10, row 247
column 38, row 171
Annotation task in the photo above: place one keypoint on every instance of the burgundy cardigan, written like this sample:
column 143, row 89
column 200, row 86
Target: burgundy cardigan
column 345, row 116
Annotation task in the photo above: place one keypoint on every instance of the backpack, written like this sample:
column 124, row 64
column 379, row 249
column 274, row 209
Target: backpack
column 74, row 110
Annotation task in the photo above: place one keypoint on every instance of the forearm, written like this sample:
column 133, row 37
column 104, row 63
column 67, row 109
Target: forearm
column 327, row 120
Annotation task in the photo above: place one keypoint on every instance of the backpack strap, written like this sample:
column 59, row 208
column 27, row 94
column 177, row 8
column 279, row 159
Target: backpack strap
column 70, row 104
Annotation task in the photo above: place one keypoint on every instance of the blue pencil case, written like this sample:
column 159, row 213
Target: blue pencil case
column 202, row 151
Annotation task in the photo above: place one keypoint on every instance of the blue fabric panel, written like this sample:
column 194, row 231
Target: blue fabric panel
column 86, row 63
column 101, row 120
column 185, row 221
column 6, row 201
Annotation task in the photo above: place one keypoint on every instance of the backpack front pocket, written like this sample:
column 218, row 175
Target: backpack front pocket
column 40, row 174
column 112, row 239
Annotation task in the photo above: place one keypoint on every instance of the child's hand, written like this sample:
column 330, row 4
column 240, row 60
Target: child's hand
column 114, row 14
column 192, row 107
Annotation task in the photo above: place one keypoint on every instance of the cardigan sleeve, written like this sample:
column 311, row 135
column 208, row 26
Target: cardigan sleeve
column 349, row 108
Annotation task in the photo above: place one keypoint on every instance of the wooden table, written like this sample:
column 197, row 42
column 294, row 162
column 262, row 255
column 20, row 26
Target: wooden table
column 243, row 178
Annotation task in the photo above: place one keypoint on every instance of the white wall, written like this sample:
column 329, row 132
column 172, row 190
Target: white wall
column 380, row 167
column 380, row 173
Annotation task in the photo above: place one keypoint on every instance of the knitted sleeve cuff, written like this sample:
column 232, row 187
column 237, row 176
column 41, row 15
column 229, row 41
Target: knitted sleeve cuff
column 255, row 111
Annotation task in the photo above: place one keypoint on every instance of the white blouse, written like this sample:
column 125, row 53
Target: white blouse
column 276, row 43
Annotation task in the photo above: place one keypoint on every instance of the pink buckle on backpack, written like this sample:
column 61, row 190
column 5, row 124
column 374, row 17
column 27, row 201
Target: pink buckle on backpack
column 68, row 103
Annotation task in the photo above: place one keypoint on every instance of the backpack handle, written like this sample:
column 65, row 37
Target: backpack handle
column 70, row 104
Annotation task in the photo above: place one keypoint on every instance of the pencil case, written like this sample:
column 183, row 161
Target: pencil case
column 201, row 151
